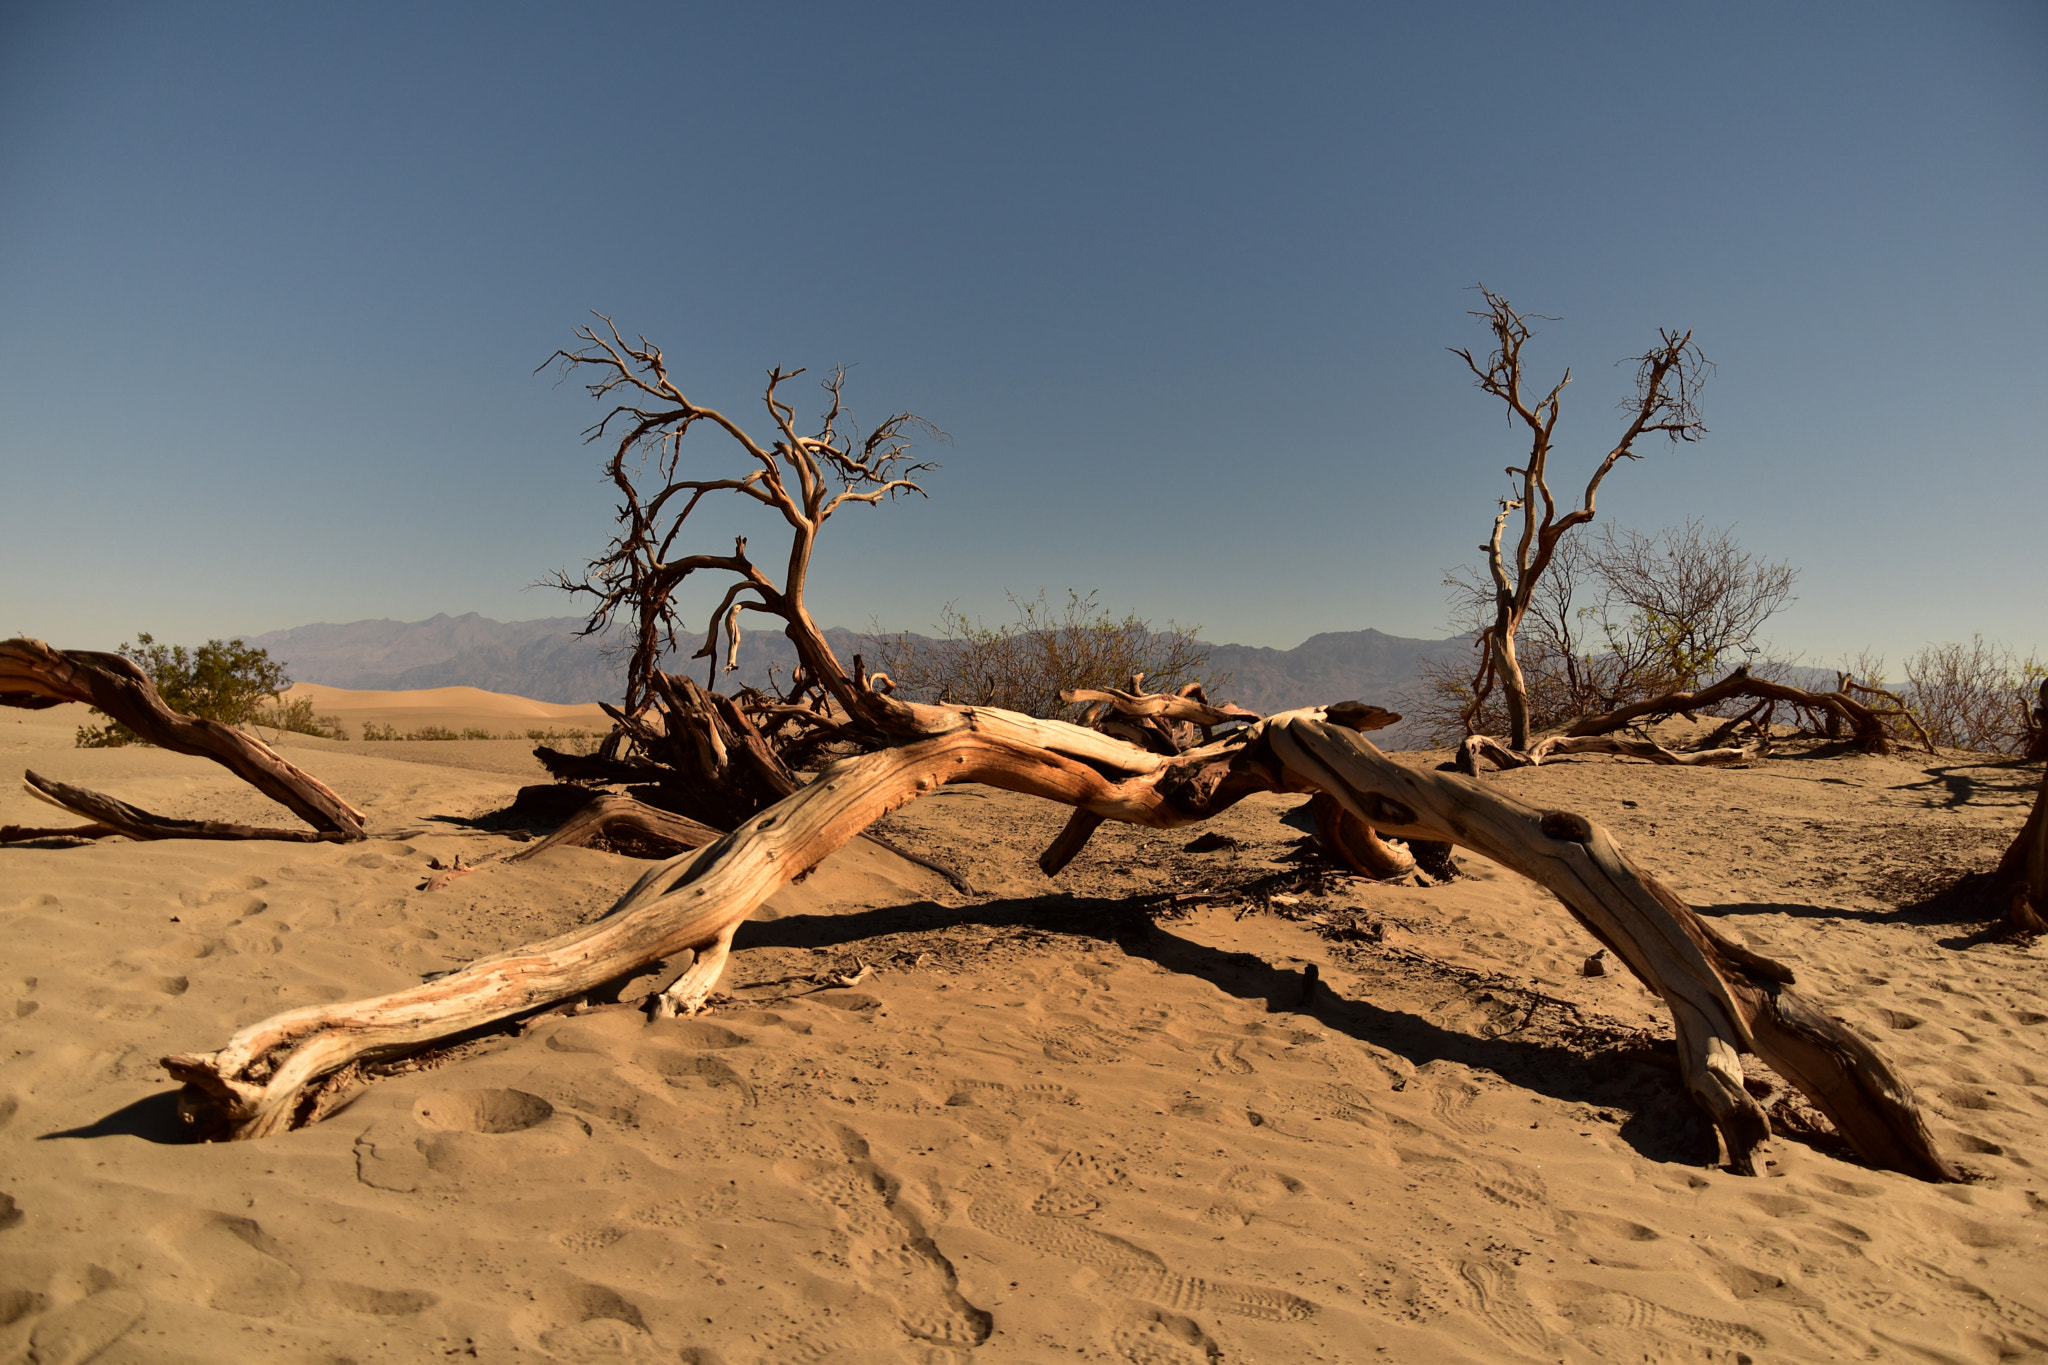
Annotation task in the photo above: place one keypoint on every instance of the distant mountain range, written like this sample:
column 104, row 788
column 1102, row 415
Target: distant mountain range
column 548, row 661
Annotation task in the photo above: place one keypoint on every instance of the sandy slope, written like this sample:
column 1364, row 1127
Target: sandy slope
column 453, row 708
column 1049, row 1129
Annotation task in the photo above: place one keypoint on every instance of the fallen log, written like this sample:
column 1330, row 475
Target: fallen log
column 1870, row 725
column 35, row 676
column 112, row 816
column 1476, row 747
column 1724, row 999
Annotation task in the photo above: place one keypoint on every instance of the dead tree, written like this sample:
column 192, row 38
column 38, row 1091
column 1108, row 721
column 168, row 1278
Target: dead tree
column 1668, row 380
column 2024, row 868
column 691, row 749
column 1869, row 713
column 35, row 676
column 1725, row 1000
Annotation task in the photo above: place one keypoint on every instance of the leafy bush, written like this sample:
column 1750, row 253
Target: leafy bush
column 1975, row 696
column 1024, row 665
column 296, row 716
column 572, row 741
column 1618, row 618
column 225, row 681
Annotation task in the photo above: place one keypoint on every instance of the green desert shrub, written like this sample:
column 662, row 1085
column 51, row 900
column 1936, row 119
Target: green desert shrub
column 222, row 680
column 296, row 716
column 1025, row 664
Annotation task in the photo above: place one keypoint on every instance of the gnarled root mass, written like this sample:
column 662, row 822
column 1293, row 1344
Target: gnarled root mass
column 1724, row 999
column 35, row 676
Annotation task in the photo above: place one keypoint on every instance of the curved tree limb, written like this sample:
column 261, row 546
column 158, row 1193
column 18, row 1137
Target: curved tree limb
column 34, row 675
column 118, row 817
column 1724, row 999
column 1867, row 723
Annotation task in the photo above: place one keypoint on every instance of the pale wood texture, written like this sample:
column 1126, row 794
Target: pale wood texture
column 118, row 817
column 34, row 675
column 1724, row 999
column 1476, row 747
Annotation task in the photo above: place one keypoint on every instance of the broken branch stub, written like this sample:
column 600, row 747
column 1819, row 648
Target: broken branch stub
column 35, row 676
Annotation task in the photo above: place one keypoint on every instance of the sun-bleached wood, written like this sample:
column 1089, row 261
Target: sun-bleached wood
column 1476, row 747
column 1724, row 999
column 35, row 676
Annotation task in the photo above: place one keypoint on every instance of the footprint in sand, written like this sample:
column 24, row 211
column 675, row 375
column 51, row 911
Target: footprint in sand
column 1600, row 1307
column 1491, row 1290
column 1451, row 1098
column 376, row 1303
column 482, row 1111
column 687, row 1070
column 1227, row 1058
column 1081, row 1042
column 1124, row 1265
column 590, row 1322
column 889, row 1251
column 973, row 1094
column 1150, row 1337
column 231, row 1263
column 79, row 1331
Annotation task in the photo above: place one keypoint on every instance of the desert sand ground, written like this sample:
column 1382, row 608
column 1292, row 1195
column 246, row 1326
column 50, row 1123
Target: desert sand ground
column 1062, row 1120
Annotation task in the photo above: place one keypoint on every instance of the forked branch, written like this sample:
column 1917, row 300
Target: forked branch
column 1724, row 999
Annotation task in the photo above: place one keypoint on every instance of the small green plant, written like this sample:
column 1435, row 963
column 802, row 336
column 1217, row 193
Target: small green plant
column 572, row 741
column 296, row 716
column 221, row 680
column 1024, row 665
column 374, row 731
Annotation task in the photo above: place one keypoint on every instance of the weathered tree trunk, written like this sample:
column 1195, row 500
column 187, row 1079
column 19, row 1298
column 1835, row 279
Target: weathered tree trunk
column 1724, row 999
column 2024, row 868
column 35, row 676
column 1865, row 722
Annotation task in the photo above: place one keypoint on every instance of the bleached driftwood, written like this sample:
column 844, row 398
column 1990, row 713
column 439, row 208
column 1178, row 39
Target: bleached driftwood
column 1724, row 999
column 1476, row 747
column 35, row 676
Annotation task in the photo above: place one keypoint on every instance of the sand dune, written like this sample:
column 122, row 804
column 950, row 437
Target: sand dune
column 1054, row 1126
column 455, row 708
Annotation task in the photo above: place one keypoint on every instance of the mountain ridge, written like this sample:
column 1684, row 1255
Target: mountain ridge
column 546, row 659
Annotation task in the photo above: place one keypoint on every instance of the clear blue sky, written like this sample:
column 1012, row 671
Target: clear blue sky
column 1178, row 278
